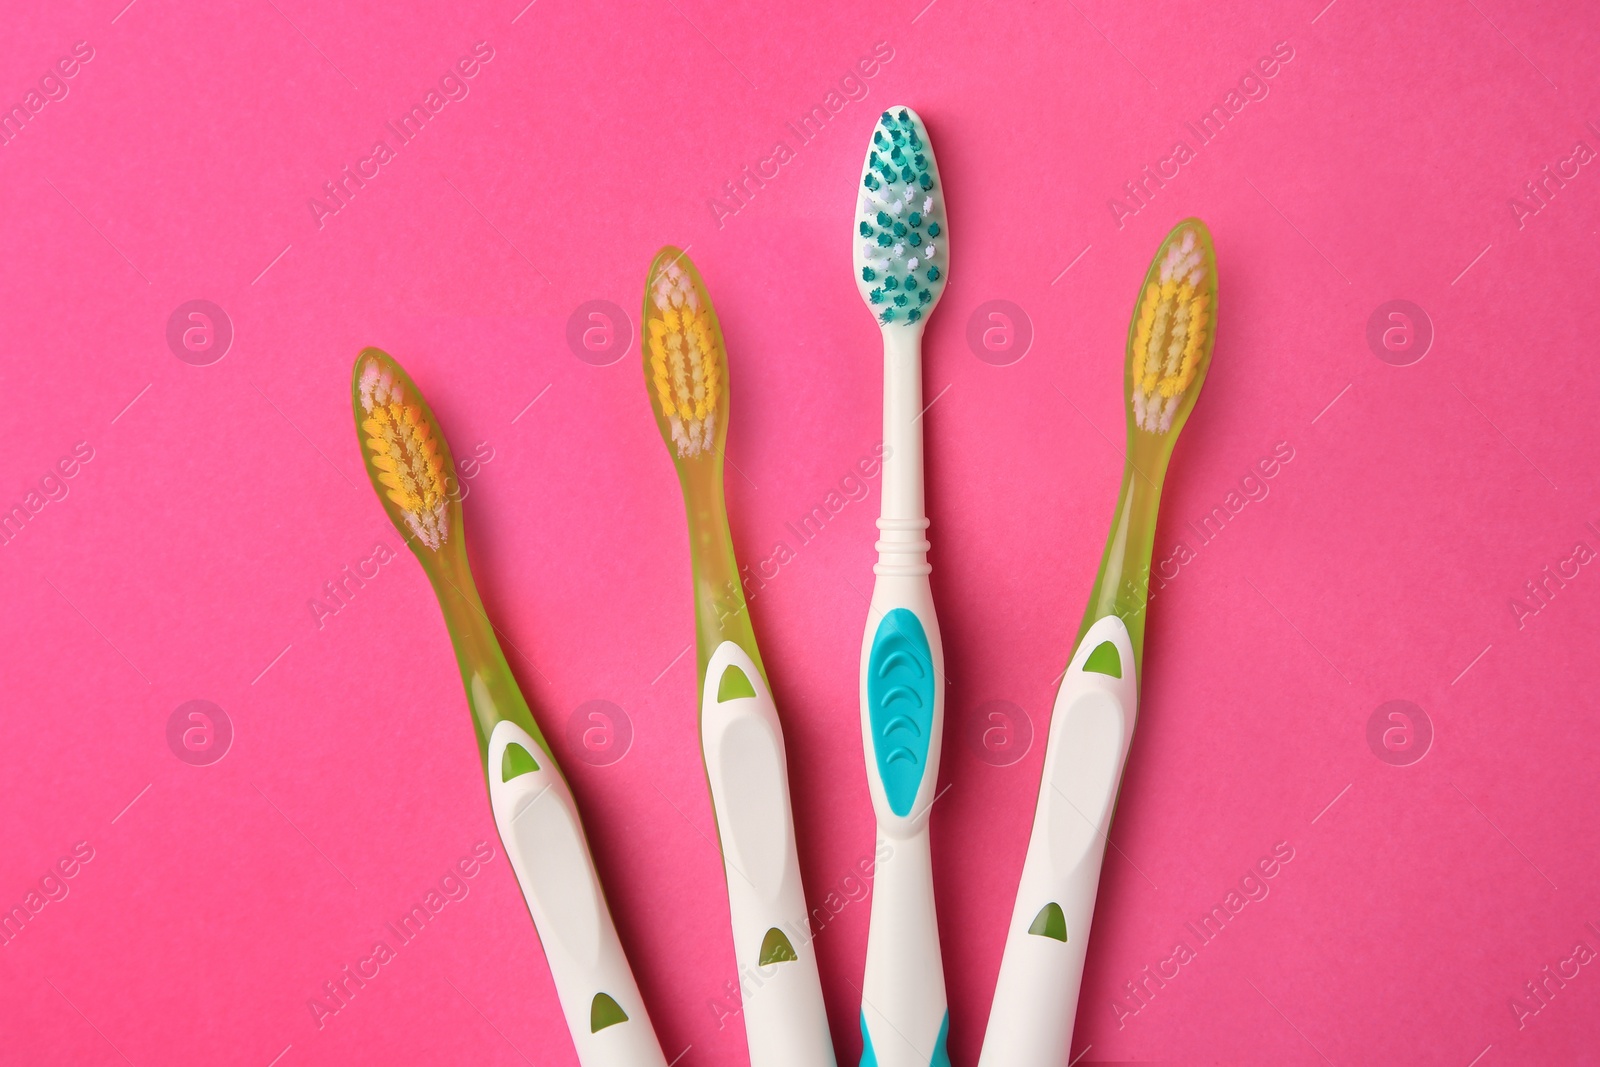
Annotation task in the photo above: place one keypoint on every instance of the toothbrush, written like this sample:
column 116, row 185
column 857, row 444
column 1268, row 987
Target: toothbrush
column 686, row 375
column 1169, row 352
column 408, row 460
column 901, row 257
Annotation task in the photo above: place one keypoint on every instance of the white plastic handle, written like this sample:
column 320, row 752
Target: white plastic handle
column 785, row 1020
column 904, row 1012
column 539, row 827
column 1036, row 997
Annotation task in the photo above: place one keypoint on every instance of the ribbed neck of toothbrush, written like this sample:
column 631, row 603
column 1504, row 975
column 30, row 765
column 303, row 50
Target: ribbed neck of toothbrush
column 900, row 222
column 405, row 453
column 685, row 364
column 1169, row 342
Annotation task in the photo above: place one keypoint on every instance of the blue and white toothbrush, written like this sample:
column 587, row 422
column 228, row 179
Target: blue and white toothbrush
column 901, row 254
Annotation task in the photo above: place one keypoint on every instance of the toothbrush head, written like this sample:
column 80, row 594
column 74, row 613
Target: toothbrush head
column 1173, row 328
column 902, row 249
column 685, row 363
column 404, row 452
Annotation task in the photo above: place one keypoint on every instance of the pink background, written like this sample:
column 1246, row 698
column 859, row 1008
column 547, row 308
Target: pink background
column 1381, row 565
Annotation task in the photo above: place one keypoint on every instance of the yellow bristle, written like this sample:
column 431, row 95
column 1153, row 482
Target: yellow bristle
column 1172, row 330
column 406, row 457
column 683, row 357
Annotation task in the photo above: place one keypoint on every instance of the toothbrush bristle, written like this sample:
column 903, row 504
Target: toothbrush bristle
column 403, row 452
column 901, row 244
column 685, row 348
column 1172, row 332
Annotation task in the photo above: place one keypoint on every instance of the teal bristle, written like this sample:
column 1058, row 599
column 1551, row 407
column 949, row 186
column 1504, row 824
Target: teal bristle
column 901, row 221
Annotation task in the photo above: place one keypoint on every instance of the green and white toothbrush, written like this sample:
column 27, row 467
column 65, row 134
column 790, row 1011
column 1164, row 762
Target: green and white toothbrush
column 901, row 257
column 408, row 460
column 1169, row 351
column 741, row 739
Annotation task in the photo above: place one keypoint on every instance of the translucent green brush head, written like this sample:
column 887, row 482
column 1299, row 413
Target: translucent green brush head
column 686, row 375
column 1171, row 335
column 685, row 363
column 405, row 454
column 1169, row 351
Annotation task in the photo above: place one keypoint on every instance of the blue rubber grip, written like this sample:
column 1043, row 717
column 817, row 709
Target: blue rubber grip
column 900, row 705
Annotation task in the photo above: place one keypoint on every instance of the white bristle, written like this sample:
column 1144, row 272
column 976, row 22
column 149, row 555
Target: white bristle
column 898, row 239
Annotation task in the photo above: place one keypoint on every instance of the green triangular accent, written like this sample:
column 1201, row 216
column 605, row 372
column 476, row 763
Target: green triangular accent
column 734, row 685
column 1050, row 922
column 517, row 760
column 604, row 1012
column 775, row 948
column 1105, row 659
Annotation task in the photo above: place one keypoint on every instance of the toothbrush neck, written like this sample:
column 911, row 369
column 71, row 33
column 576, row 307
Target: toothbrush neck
column 903, row 524
column 492, row 690
column 720, row 612
column 1122, row 588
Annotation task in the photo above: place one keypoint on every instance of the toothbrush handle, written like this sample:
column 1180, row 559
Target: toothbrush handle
column 785, row 1020
column 1036, row 997
column 539, row 827
column 904, row 1013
